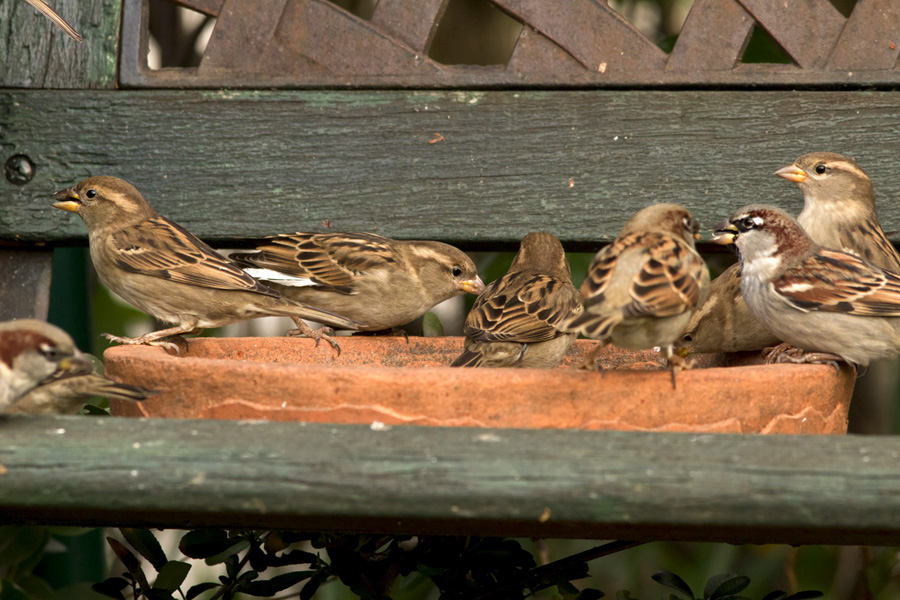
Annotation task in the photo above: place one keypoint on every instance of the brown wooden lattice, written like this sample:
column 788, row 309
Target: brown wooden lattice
column 583, row 43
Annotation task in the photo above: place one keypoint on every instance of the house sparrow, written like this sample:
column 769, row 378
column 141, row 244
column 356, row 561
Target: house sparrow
column 640, row 290
column 838, row 212
column 379, row 282
column 512, row 322
column 54, row 17
column 164, row 270
column 42, row 372
column 830, row 303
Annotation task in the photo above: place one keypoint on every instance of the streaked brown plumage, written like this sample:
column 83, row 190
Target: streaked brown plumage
column 164, row 270
column 838, row 212
column 641, row 289
column 512, row 324
column 379, row 282
column 42, row 372
column 816, row 299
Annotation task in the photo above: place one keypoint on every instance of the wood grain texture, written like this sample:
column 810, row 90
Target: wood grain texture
column 238, row 165
column 35, row 54
column 603, row 485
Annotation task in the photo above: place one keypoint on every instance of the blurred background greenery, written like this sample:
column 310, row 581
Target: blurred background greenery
column 471, row 32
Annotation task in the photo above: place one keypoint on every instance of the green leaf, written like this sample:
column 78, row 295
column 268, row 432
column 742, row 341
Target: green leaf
column 236, row 548
column 719, row 586
column 590, row 594
column 312, row 586
column 146, row 544
column 111, row 588
column 270, row 587
column 172, row 575
column 432, row 326
column 294, row 557
column 126, row 556
column 92, row 410
column 19, row 544
column 566, row 587
column 157, row 594
column 671, row 580
column 199, row 589
column 805, row 595
column 776, row 595
column 203, row 543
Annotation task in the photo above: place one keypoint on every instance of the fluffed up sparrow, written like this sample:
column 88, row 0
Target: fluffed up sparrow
column 164, row 270
column 838, row 212
column 641, row 289
column 376, row 281
column 512, row 324
column 42, row 372
column 830, row 303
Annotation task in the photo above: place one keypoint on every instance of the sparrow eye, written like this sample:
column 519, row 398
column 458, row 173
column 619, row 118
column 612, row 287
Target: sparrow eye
column 687, row 338
column 457, row 272
column 91, row 193
column 51, row 352
column 747, row 223
column 821, row 168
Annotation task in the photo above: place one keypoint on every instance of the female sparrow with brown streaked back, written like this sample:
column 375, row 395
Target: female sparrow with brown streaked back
column 830, row 303
column 839, row 207
column 68, row 395
column 640, row 290
column 838, row 212
column 512, row 323
column 164, row 270
column 379, row 282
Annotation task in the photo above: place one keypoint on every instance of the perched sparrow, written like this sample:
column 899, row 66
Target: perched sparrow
column 512, row 322
column 827, row 302
column 640, row 290
column 379, row 282
column 160, row 267
column 839, row 207
column 41, row 371
column 54, row 17
column 838, row 212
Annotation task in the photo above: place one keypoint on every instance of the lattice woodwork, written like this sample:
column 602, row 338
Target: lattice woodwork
column 576, row 43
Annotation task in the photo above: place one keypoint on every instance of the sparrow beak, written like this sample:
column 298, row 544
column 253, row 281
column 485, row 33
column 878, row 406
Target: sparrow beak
column 472, row 286
column 71, row 366
column 725, row 234
column 67, row 199
column 697, row 236
column 792, row 173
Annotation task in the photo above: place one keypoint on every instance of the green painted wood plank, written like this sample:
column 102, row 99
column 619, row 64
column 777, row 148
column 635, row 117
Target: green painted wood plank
column 427, row 480
column 35, row 54
column 235, row 165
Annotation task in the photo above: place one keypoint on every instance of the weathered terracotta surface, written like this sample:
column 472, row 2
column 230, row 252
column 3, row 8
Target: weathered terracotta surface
column 387, row 381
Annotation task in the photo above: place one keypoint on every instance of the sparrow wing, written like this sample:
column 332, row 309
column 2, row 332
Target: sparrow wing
column 522, row 307
column 668, row 283
column 330, row 260
column 161, row 248
column 835, row 281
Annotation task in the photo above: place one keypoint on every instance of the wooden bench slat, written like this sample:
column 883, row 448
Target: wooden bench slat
column 426, row 480
column 243, row 165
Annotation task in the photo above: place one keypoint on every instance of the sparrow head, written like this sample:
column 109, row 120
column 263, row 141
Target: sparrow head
column 542, row 253
column 445, row 270
column 826, row 177
column 672, row 219
column 33, row 352
column 764, row 233
column 105, row 203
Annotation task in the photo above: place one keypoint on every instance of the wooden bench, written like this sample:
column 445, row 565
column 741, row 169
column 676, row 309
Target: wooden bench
column 236, row 165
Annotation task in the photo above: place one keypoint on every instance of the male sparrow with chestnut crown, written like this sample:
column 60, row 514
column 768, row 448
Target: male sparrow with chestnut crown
column 40, row 367
column 379, row 282
column 641, row 289
column 838, row 212
column 164, row 270
column 512, row 324
column 830, row 303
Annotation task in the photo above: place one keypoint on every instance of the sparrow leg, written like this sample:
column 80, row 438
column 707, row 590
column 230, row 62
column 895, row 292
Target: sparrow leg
column 157, row 338
column 773, row 355
column 676, row 362
column 590, row 361
column 814, row 358
column 304, row 330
